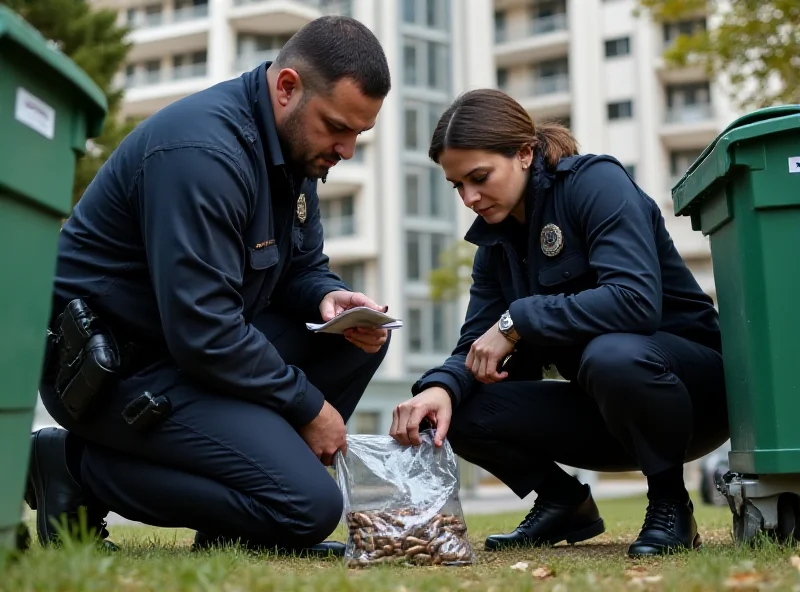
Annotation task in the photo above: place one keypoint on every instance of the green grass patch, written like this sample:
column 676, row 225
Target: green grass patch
column 161, row 559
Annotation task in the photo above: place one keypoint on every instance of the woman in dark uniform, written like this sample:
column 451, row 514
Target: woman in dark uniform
column 574, row 269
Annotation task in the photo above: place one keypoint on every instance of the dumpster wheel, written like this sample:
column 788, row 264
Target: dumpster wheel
column 762, row 504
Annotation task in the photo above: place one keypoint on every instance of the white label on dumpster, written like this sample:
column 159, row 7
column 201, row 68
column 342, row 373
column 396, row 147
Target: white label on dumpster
column 794, row 164
column 35, row 113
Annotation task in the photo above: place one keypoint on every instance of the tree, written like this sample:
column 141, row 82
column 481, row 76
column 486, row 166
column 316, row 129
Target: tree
column 755, row 44
column 453, row 276
column 92, row 39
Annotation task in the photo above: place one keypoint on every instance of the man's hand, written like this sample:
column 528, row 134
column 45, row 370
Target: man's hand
column 486, row 352
column 334, row 303
column 325, row 434
column 433, row 403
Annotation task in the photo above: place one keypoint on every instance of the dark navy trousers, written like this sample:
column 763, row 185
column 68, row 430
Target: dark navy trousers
column 637, row 402
column 224, row 466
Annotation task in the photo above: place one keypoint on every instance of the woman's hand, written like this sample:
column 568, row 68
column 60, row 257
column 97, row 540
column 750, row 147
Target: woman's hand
column 486, row 353
column 433, row 403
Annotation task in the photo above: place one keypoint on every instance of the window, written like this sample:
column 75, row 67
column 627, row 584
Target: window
column 426, row 64
column 413, row 267
column 688, row 102
column 430, row 327
column 681, row 160
column 411, row 132
column 410, row 64
column 367, row 422
column 412, row 195
column 352, row 274
column 426, row 13
column 550, row 76
column 427, row 193
column 338, row 216
column 689, row 27
column 502, row 78
column 618, row 47
column 423, row 251
column 500, row 26
column 358, row 153
column 410, row 11
column 620, row 110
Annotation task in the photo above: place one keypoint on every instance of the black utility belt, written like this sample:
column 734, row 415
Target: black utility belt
column 89, row 366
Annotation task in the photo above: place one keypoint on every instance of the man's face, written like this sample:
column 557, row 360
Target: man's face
column 320, row 130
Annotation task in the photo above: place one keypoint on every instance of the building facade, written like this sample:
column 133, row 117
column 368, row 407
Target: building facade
column 596, row 66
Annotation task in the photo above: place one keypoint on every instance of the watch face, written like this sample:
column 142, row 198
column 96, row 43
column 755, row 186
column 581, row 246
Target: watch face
column 505, row 322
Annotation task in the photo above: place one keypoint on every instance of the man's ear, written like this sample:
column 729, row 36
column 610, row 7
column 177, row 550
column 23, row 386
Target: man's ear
column 287, row 86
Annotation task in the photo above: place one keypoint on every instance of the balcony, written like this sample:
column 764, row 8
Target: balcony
column 543, row 96
column 249, row 61
column 688, row 126
column 155, row 35
column 538, row 39
column 148, row 91
column 273, row 16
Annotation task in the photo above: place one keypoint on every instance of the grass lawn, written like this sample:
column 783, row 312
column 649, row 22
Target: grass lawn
column 160, row 559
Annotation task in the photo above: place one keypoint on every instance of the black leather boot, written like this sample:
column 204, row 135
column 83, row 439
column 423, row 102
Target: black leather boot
column 54, row 494
column 668, row 527
column 324, row 549
column 549, row 523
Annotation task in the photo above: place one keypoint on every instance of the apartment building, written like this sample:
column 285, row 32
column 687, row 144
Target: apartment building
column 387, row 212
column 598, row 68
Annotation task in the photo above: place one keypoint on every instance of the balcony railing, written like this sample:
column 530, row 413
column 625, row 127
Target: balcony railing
column 690, row 113
column 247, row 61
column 154, row 77
column 159, row 19
column 538, row 26
column 539, row 86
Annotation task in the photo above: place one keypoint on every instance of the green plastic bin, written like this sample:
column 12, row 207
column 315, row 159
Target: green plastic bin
column 48, row 109
column 743, row 192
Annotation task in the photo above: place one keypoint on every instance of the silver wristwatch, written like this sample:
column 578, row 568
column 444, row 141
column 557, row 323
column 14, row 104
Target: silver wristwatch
column 506, row 327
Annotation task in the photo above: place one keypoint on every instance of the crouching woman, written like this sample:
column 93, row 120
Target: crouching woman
column 574, row 269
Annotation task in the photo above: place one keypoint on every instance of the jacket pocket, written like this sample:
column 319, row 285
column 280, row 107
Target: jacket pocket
column 568, row 269
column 264, row 257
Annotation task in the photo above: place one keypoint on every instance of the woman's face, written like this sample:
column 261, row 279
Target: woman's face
column 489, row 184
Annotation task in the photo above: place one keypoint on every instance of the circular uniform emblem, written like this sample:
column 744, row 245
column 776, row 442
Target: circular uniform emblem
column 552, row 240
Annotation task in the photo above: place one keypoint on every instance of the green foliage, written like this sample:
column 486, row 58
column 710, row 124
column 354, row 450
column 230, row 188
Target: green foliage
column 92, row 39
column 454, row 272
column 755, row 44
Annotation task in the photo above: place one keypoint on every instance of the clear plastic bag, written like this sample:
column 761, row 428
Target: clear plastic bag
column 401, row 503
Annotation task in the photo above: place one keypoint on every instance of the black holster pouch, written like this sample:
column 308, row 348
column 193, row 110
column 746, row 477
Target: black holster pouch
column 88, row 359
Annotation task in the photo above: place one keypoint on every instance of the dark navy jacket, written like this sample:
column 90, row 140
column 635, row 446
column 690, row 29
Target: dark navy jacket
column 618, row 272
column 189, row 230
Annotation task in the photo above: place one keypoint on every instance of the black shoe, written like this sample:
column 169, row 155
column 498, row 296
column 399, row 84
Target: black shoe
column 324, row 549
column 668, row 526
column 549, row 523
column 53, row 492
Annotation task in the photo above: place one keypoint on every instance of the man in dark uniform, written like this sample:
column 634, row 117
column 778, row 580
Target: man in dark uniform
column 199, row 247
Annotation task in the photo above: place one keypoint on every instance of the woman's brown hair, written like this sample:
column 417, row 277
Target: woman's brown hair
column 488, row 119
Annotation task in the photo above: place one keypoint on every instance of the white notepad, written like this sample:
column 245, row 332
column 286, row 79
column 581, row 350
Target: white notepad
column 360, row 316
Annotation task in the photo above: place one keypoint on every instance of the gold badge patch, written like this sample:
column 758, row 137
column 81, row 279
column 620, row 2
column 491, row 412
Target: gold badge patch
column 301, row 208
column 552, row 240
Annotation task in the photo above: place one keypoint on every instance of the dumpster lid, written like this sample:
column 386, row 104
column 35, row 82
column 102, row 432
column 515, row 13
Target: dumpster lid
column 14, row 27
column 714, row 162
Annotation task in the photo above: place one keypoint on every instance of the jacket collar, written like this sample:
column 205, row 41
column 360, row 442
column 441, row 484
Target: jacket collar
column 540, row 180
column 261, row 107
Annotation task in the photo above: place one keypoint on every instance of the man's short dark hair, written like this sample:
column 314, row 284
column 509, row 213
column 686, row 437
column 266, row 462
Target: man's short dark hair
column 331, row 48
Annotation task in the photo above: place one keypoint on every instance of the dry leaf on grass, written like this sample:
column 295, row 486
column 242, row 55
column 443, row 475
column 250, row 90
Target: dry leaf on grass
column 543, row 573
column 745, row 581
column 795, row 561
column 520, row 566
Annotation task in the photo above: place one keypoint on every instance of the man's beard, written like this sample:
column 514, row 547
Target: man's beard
column 302, row 160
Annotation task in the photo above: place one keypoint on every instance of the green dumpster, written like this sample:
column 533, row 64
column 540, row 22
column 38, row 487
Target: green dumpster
column 743, row 192
column 48, row 109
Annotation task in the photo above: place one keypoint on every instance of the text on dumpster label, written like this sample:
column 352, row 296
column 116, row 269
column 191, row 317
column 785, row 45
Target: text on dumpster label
column 35, row 113
column 794, row 164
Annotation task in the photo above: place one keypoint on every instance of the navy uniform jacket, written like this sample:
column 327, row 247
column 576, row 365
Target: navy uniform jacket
column 189, row 230
column 618, row 272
